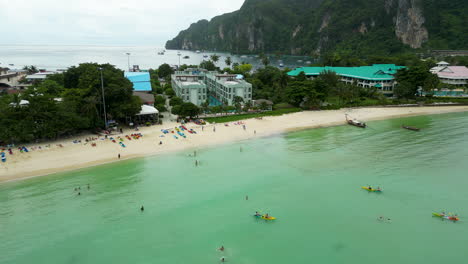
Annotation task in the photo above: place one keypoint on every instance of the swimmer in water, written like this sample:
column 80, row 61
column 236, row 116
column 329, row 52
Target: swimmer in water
column 223, row 259
column 221, row 248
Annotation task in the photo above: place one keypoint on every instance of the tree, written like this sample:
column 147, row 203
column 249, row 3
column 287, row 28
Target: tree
column 175, row 101
column 237, row 100
column 411, row 79
column 188, row 109
column 243, row 69
column 330, row 78
column 405, row 90
column 161, row 108
column 214, row 58
column 247, row 106
column 169, row 92
column 50, row 87
column 207, row 65
column 30, row 69
column 175, row 110
column 58, row 78
column 205, row 106
column 265, row 61
column 431, row 83
column 118, row 90
column 228, row 61
column 165, row 71
column 159, row 100
column 264, row 106
column 80, row 107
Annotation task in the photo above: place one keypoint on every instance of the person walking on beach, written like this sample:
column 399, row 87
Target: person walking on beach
column 194, row 153
column 255, row 132
column 118, row 156
column 214, row 129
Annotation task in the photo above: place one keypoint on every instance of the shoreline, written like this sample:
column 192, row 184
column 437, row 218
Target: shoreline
column 72, row 157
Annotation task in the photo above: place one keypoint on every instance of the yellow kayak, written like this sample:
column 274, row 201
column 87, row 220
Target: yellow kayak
column 371, row 190
column 268, row 218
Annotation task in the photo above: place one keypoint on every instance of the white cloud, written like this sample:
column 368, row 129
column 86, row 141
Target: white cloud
column 103, row 22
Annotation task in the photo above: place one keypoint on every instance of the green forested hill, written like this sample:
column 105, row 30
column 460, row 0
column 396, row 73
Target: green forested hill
column 316, row 26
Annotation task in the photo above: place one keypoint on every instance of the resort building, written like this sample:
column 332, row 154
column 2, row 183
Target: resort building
column 453, row 75
column 197, row 86
column 190, row 86
column 380, row 76
column 225, row 87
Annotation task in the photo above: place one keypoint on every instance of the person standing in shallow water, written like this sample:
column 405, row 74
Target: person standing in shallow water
column 142, row 208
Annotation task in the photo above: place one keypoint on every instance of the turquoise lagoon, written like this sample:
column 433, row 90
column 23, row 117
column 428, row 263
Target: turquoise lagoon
column 310, row 180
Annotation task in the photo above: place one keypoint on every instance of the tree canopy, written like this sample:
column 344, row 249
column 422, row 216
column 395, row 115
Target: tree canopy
column 67, row 103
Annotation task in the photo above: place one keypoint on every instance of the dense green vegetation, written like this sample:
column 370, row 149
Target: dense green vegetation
column 67, row 103
column 232, row 118
column 313, row 27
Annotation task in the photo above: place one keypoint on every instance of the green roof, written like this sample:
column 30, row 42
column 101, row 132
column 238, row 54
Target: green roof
column 376, row 72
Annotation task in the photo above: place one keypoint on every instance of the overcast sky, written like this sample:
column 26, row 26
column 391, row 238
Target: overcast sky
column 103, row 22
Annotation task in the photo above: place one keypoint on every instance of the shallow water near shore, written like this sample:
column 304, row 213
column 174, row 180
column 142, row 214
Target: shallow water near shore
column 310, row 180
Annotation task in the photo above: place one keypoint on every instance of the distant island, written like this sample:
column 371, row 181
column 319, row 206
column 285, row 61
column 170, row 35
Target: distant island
column 317, row 27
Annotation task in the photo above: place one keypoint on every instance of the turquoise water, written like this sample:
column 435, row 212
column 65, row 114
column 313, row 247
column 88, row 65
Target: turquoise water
column 309, row 180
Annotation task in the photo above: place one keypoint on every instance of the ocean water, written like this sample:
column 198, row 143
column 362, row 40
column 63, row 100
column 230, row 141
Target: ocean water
column 310, row 180
column 61, row 57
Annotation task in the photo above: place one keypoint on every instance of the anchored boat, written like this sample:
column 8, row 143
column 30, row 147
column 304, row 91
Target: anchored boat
column 410, row 128
column 355, row 122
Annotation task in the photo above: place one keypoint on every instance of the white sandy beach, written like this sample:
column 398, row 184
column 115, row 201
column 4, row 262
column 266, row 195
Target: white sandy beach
column 73, row 156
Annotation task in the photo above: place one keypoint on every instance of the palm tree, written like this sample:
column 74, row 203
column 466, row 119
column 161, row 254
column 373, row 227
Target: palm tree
column 214, row 58
column 30, row 69
column 228, row 61
column 265, row 61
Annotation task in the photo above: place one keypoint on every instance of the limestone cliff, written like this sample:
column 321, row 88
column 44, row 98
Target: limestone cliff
column 409, row 24
column 318, row 26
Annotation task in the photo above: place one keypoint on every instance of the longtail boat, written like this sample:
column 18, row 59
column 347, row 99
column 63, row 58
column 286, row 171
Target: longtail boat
column 410, row 128
column 355, row 122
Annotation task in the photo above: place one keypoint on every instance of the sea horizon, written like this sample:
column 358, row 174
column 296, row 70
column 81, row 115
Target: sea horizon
column 53, row 57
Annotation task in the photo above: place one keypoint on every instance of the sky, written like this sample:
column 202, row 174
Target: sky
column 103, row 22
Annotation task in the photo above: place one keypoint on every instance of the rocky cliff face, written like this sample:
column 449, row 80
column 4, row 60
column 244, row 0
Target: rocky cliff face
column 409, row 23
column 318, row 26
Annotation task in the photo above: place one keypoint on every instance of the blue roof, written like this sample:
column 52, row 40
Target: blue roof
column 141, row 80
